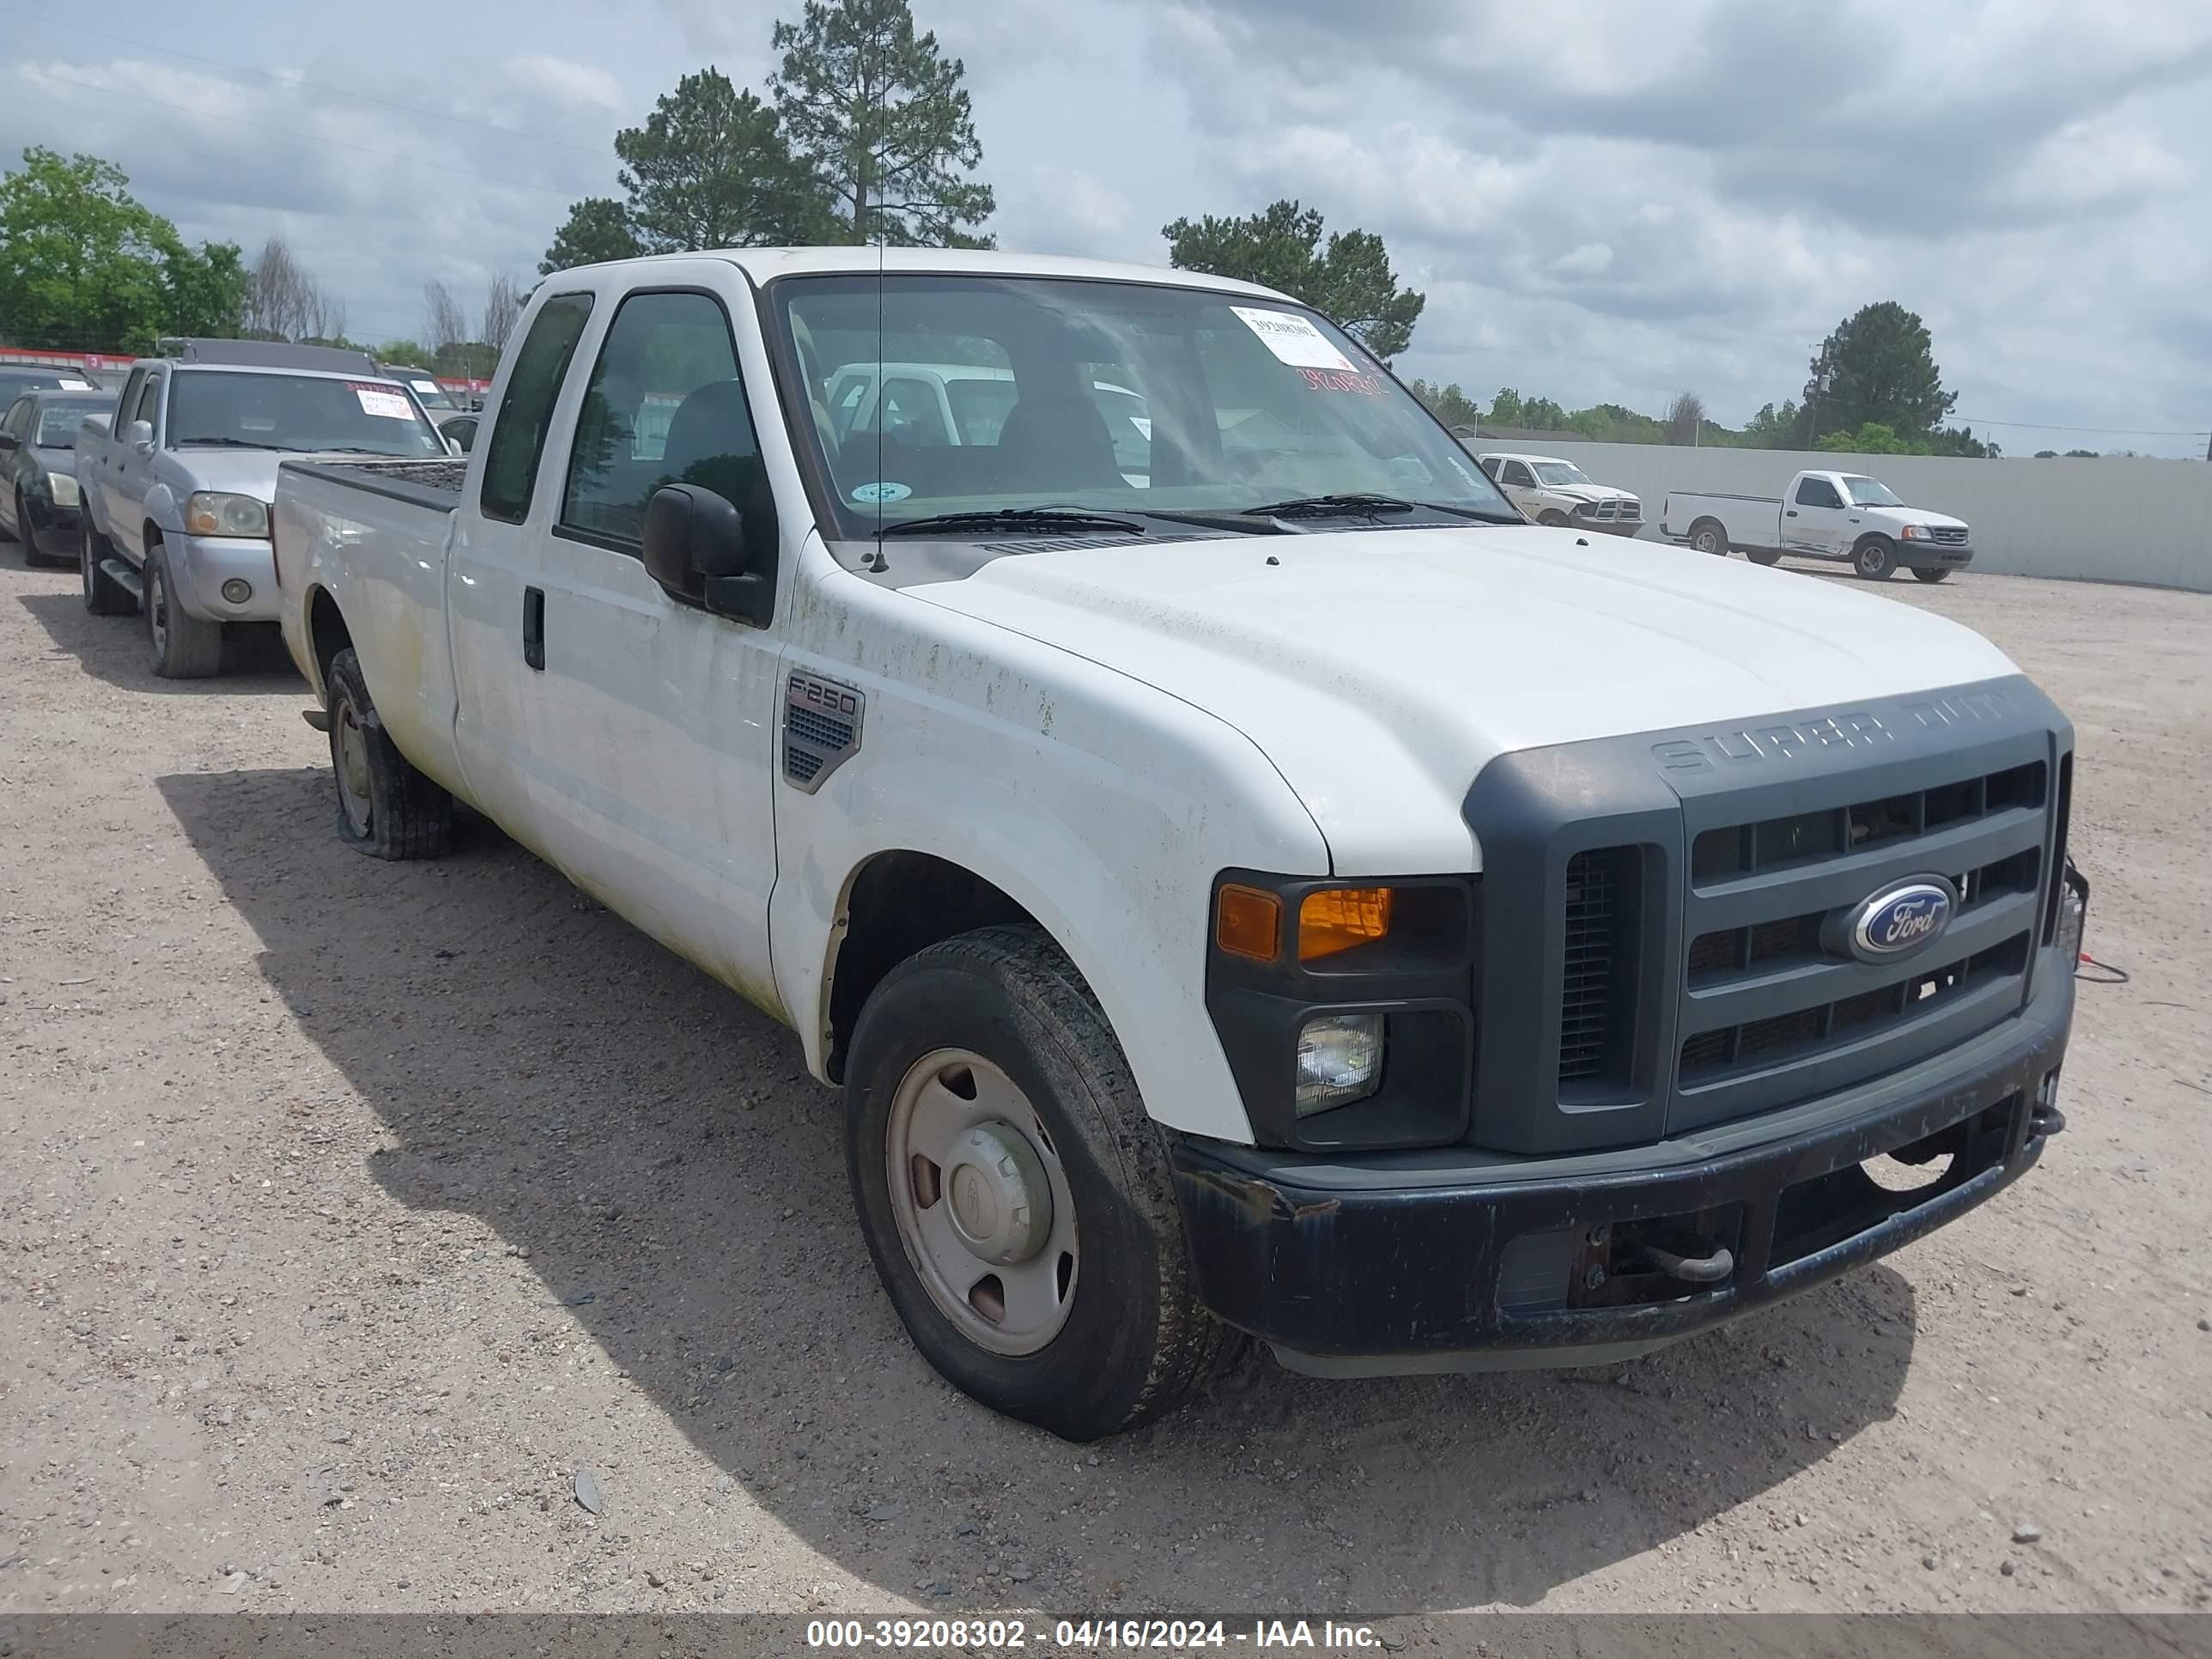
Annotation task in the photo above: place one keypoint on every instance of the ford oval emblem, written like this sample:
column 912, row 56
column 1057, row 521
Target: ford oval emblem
column 1898, row 921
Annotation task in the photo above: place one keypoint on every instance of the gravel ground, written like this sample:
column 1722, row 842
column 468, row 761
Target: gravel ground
column 354, row 1216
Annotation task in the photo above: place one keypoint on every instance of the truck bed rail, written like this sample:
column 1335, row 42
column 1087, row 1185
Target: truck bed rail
column 433, row 484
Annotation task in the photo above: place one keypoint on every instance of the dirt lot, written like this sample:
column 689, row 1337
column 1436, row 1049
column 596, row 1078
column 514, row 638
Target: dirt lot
column 348, row 1211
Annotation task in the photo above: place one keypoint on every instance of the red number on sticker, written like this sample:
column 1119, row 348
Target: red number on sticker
column 1332, row 379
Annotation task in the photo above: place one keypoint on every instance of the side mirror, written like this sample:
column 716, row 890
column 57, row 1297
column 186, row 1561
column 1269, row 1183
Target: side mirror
column 139, row 435
column 10, row 440
column 701, row 548
column 455, row 446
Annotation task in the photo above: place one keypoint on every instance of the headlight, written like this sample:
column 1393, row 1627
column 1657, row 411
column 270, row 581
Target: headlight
column 211, row 513
column 63, row 487
column 1915, row 533
column 1340, row 1061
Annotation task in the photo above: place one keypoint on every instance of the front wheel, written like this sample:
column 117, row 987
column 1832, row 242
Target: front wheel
column 1931, row 573
column 1553, row 518
column 104, row 596
column 1015, row 1196
column 1875, row 558
column 182, row 647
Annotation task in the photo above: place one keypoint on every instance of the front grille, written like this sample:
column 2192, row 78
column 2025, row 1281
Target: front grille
column 1773, row 1009
column 1594, row 922
column 1738, row 1048
column 1631, row 509
column 1949, row 536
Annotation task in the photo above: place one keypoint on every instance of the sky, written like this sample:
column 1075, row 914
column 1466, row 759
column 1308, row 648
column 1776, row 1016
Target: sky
column 1604, row 200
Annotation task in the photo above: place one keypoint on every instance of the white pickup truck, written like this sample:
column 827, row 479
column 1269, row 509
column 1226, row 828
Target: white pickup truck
column 1292, row 895
column 1825, row 515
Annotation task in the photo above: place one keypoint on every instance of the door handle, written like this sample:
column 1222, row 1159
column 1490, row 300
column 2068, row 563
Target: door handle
column 533, row 627
column 1791, row 514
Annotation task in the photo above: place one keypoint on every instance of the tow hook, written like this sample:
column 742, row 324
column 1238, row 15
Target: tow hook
column 1691, row 1269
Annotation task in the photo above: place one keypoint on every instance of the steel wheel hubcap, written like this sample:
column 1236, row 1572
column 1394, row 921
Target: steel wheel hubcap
column 352, row 768
column 981, row 1202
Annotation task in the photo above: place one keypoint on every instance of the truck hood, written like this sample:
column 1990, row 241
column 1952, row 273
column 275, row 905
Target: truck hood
column 1588, row 492
column 1380, row 670
column 250, row 471
column 1904, row 515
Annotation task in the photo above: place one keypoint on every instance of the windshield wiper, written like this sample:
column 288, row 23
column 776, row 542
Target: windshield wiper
column 1012, row 518
column 239, row 443
column 1361, row 505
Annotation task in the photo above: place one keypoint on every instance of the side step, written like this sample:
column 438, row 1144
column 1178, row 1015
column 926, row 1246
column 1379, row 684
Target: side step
column 125, row 577
column 317, row 718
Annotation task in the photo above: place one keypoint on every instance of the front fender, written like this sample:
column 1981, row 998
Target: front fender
column 1104, row 806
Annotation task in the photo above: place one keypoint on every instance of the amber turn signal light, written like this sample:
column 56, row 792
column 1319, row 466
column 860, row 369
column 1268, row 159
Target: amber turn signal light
column 1338, row 918
column 1248, row 922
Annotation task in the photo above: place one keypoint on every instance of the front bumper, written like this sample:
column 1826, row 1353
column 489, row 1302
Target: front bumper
column 202, row 564
column 1415, row 1262
column 1949, row 555
column 53, row 529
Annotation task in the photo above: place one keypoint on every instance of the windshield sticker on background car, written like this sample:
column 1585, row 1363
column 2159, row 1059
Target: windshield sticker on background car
column 869, row 495
column 383, row 400
column 1331, row 380
column 68, row 384
column 1293, row 338
column 427, row 388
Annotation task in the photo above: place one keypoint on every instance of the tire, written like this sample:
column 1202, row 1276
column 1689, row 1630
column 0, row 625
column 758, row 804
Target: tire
column 21, row 532
column 1875, row 558
column 104, row 596
column 1764, row 555
column 387, row 808
column 1553, row 518
column 1117, row 1334
column 1709, row 535
column 1931, row 573
column 182, row 647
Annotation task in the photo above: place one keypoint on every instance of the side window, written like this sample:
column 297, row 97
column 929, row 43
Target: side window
column 1518, row 475
column 128, row 401
column 150, row 404
column 1818, row 492
column 18, row 419
column 665, row 405
column 1489, row 464
column 517, row 436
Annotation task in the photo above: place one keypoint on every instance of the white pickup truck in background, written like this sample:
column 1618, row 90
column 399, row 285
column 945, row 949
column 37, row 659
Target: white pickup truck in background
column 1825, row 515
column 1289, row 895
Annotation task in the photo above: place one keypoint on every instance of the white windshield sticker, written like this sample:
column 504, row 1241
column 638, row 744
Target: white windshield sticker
column 1293, row 338
column 428, row 388
column 386, row 401
column 68, row 385
column 888, row 490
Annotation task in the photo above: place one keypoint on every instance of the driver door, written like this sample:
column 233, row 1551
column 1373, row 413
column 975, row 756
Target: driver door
column 1815, row 519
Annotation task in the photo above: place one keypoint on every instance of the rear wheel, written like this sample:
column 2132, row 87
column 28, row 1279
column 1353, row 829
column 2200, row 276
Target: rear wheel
column 1875, row 558
column 385, row 807
column 1014, row 1194
column 104, row 596
column 183, row 647
column 1707, row 536
column 1765, row 555
column 1931, row 573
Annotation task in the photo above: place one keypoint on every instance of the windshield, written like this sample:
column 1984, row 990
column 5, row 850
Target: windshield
column 1870, row 492
column 301, row 413
column 1021, row 392
column 1557, row 472
column 429, row 392
column 58, row 423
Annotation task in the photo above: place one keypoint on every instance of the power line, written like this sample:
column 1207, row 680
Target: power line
column 2120, row 431
column 311, row 137
column 40, row 22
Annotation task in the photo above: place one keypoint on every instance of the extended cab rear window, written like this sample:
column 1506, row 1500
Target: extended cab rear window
column 518, row 437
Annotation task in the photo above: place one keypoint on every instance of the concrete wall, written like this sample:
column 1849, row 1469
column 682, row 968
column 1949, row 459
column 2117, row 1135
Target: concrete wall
column 2101, row 521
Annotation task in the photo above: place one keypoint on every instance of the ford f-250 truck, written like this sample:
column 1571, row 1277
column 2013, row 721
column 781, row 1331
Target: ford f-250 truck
column 1825, row 515
column 1293, row 895
column 178, row 480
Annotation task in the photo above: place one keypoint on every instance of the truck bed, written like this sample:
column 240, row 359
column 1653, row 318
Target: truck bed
column 433, row 484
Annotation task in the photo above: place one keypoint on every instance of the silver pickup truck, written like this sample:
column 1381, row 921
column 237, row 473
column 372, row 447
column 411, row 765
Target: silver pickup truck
column 177, row 482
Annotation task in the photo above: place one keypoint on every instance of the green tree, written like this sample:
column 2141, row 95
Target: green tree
column 84, row 264
column 1350, row 281
column 1880, row 366
column 878, row 113
column 710, row 168
column 598, row 229
column 1505, row 407
column 1448, row 404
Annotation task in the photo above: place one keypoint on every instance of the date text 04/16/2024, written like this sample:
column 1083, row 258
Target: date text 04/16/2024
column 1169, row 1635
